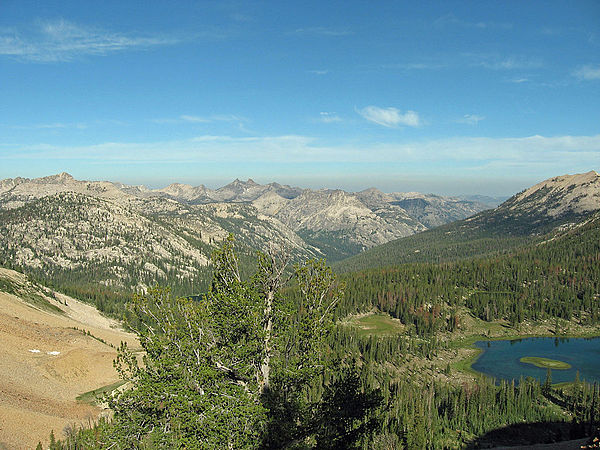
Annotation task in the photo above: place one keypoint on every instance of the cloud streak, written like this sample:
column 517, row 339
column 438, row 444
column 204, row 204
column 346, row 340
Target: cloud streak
column 526, row 154
column 588, row 72
column 186, row 118
column 470, row 119
column 390, row 117
column 329, row 117
column 451, row 20
column 63, row 41
column 497, row 62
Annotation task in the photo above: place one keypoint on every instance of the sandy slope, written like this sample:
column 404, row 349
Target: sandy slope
column 38, row 390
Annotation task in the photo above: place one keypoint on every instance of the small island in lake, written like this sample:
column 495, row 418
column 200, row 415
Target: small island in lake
column 545, row 363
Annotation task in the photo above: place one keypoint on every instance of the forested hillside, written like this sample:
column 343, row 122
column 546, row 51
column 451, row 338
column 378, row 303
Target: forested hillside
column 556, row 277
column 416, row 394
column 554, row 204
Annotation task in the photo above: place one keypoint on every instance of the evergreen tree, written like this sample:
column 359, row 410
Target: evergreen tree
column 233, row 369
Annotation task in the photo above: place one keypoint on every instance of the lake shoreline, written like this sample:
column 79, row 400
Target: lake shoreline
column 465, row 365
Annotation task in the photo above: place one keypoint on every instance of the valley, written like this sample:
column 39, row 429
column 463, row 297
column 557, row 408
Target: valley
column 411, row 311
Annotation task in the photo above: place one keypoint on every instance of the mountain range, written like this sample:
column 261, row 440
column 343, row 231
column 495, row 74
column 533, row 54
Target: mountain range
column 128, row 237
column 99, row 241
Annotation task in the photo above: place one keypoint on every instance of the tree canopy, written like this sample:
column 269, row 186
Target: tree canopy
column 234, row 369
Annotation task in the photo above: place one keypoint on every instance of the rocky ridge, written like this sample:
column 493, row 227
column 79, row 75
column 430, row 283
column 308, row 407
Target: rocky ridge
column 558, row 196
column 552, row 206
column 131, row 236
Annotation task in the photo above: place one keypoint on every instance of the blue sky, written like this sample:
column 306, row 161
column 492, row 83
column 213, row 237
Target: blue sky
column 445, row 97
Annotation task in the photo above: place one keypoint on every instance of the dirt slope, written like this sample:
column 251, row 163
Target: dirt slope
column 45, row 364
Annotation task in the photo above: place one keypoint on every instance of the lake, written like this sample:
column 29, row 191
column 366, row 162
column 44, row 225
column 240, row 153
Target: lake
column 500, row 359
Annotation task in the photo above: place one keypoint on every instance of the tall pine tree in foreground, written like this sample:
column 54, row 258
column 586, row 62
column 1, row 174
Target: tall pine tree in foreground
column 234, row 370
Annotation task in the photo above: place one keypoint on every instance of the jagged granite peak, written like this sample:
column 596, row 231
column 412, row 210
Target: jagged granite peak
column 238, row 191
column 557, row 196
column 374, row 198
column 185, row 191
column 10, row 183
column 435, row 210
column 285, row 190
column 62, row 177
column 323, row 209
column 330, row 218
column 139, row 190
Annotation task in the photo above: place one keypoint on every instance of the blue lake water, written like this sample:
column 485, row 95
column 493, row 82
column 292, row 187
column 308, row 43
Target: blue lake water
column 500, row 359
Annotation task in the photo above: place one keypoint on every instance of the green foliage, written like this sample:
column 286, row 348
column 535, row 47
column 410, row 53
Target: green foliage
column 545, row 363
column 272, row 348
column 234, row 369
column 196, row 387
column 559, row 278
column 335, row 245
column 339, row 419
column 488, row 233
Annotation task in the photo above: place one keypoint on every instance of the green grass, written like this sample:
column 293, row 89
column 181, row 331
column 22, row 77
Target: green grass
column 464, row 365
column 545, row 363
column 92, row 397
column 377, row 325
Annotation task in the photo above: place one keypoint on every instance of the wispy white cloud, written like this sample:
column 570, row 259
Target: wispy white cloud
column 390, row 117
column 186, row 118
column 319, row 72
column 61, row 40
column 416, row 66
column 470, row 119
column 329, row 117
column 499, row 62
column 194, row 119
column 452, row 20
column 559, row 153
column 320, row 31
column 518, row 80
column 588, row 72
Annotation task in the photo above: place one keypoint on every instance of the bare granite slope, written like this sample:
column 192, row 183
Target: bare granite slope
column 47, row 359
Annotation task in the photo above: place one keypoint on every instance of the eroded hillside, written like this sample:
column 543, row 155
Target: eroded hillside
column 54, row 348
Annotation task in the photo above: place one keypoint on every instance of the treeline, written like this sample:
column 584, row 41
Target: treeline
column 420, row 412
column 559, row 278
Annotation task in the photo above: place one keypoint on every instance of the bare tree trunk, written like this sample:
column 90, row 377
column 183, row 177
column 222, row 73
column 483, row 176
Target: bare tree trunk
column 272, row 266
column 265, row 367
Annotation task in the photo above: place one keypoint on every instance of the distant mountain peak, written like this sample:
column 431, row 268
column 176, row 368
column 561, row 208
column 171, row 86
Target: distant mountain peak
column 371, row 190
column 578, row 193
column 58, row 178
